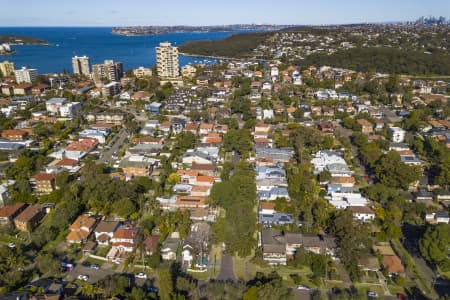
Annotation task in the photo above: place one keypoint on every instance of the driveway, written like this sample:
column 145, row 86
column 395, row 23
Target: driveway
column 226, row 269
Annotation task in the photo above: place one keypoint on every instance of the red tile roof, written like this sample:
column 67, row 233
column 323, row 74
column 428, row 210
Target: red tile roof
column 44, row 177
column 8, row 210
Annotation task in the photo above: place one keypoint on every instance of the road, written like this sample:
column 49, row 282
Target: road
column 411, row 235
column 226, row 269
column 346, row 133
column 114, row 146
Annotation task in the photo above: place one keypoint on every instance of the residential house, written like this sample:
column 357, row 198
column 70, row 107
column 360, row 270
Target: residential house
column 104, row 231
column 273, row 244
column 205, row 169
column 191, row 202
column 44, row 183
column 14, row 134
column 362, row 213
column 326, row 127
column 206, row 128
column 195, row 246
column 124, row 238
column 150, row 244
column 9, row 212
column 170, row 246
column 366, row 126
column 81, row 229
column 393, row 264
column 197, row 157
column 29, row 218
column 137, row 166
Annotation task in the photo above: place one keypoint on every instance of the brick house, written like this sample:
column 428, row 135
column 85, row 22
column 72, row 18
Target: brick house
column 44, row 182
column 29, row 218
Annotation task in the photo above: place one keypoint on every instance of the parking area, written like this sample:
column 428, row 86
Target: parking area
column 94, row 274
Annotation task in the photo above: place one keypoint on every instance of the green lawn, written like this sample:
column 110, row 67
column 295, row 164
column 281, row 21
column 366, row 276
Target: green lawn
column 199, row 276
column 95, row 261
column 283, row 271
column 364, row 287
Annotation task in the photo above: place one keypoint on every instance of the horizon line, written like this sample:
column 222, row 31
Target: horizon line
column 216, row 25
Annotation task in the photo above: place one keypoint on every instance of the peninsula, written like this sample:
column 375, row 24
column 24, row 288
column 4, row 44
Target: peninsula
column 21, row 40
column 152, row 30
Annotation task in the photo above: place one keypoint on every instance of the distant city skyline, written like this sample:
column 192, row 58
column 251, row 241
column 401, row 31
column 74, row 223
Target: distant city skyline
column 201, row 12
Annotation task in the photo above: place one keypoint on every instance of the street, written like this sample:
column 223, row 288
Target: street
column 114, row 147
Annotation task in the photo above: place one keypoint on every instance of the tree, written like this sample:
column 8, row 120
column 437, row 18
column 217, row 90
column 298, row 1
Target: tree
column 183, row 142
column 353, row 239
column 47, row 263
column 173, row 179
column 237, row 196
column 434, row 244
column 124, row 207
column 391, row 171
column 165, row 284
column 240, row 141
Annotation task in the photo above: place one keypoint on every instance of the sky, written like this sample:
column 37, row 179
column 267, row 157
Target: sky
column 212, row 12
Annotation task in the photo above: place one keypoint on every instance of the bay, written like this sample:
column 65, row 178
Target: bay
column 99, row 44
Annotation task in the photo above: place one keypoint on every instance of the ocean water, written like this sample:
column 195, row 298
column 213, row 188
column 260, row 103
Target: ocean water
column 98, row 43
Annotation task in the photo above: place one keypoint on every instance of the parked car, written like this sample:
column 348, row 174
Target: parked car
column 372, row 294
column 83, row 277
column 141, row 275
column 11, row 245
column 95, row 266
column 302, row 287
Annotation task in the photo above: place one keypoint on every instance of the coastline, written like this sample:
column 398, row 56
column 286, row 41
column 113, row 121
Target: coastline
column 222, row 57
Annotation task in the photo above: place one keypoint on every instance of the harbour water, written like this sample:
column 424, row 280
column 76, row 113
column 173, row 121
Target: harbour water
column 99, row 44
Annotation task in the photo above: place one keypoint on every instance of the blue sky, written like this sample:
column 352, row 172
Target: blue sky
column 201, row 12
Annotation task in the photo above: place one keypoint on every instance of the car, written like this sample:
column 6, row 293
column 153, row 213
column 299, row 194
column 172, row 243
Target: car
column 83, row 277
column 94, row 266
column 152, row 289
column 141, row 275
column 11, row 245
column 302, row 287
column 372, row 294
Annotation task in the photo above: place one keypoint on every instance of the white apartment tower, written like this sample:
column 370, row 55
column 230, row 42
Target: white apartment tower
column 167, row 60
column 81, row 65
column 25, row 75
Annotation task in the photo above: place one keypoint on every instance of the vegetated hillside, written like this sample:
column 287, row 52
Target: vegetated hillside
column 384, row 60
column 237, row 45
column 18, row 39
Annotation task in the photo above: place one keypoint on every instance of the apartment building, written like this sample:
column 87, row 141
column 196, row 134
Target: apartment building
column 81, row 65
column 6, row 68
column 25, row 75
column 167, row 60
column 110, row 69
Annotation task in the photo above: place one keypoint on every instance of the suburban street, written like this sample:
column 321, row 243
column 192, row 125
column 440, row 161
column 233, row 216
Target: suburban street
column 114, row 147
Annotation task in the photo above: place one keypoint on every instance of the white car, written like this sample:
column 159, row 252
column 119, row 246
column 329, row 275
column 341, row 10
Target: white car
column 83, row 277
column 11, row 245
column 372, row 294
column 302, row 287
column 141, row 275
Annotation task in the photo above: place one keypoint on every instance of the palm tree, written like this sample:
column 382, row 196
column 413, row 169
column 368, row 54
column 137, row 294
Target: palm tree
column 88, row 290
